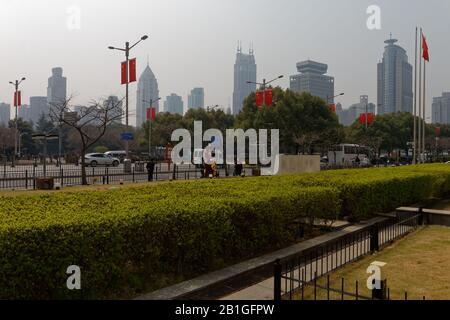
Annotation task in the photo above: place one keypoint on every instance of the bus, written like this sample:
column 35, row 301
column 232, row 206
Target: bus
column 345, row 155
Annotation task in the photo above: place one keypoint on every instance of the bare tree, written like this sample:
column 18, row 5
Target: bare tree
column 90, row 123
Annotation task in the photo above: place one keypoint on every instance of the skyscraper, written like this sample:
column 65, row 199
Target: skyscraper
column 196, row 99
column 39, row 107
column 57, row 87
column 114, row 103
column 174, row 104
column 312, row 79
column 244, row 70
column 349, row 116
column 395, row 78
column 147, row 90
column 5, row 114
column 24, row 113
column 441, row 109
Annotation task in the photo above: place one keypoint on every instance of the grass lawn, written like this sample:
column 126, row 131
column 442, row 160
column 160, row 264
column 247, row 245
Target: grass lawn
column 418, row 264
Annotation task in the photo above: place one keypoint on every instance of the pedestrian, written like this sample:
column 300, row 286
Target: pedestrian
column 238, row 168
column 357, row 161
column 150, row 169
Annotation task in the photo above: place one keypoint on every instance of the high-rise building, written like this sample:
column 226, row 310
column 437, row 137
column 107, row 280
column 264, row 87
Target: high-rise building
column 24, row 113
column 57, row 87
column 38, row 107
column 174, row 104
column 441, row 109
column 5, row 114
column 244, row 70
column 196, row 99
column 312, row 79
column 348, row 116
column 117, row 106
column 147, row 91
column 395, row 78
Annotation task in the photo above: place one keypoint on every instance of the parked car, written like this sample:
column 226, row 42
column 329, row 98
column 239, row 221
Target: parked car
column 121, row 155
column 100, row 159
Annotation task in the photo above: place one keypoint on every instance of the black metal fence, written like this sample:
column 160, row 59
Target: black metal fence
column 317, row 291
column 291, row 275
column 25, row 177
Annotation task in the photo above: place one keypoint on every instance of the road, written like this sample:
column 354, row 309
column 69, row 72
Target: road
column 22, row 177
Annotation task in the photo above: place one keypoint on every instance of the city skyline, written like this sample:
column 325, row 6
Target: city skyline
column 183, row 63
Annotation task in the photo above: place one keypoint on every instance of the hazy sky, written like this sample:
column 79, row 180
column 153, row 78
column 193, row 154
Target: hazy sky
column 193, row 43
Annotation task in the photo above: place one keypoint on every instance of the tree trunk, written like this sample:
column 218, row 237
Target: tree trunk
column 83, row 168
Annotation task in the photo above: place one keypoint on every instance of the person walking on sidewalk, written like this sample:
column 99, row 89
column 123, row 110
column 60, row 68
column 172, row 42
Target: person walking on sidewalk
column 150, row 169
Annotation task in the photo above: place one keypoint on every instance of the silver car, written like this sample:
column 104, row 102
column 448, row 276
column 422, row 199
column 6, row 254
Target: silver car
column 100, row 159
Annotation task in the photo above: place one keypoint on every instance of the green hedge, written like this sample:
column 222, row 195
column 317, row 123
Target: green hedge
column 121, row 238
column 129, row 236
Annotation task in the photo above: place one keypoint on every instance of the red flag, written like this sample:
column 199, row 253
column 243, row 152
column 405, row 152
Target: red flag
column 17, row 99
column 124, row 72
column 426, row 54
column 259, row 99
column 151, row 114
column 132, row 70
column 268, row 97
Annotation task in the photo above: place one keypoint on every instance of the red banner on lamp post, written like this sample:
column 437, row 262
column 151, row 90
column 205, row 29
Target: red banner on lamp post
column 17, row 99
column 268, row 97
column 264, row 98
column 132, row 70
column 259, row 99
column 151, row 114
column 123, row 72
column 332, row 107
column 437, row 131
column 368, row 118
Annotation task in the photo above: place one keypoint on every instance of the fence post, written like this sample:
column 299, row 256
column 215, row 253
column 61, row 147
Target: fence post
column 374, row 238
column 174, row 172
column 133, row 174
column 107, row 175
column 421, row 217
column 34, row 177
column 277, row 281
column 380, row 294
column 26, row 179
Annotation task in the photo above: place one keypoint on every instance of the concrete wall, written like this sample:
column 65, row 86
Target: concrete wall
column 288, row 164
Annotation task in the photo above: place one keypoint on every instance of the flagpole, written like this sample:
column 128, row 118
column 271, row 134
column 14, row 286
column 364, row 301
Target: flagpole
column 424, row 104
column 420, row 101
column 415, row 104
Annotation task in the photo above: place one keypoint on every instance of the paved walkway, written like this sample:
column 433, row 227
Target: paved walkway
column 259, row 270
column 317, row 265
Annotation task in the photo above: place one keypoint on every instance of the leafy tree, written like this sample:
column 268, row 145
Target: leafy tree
column 26, row 130
column 305, row 122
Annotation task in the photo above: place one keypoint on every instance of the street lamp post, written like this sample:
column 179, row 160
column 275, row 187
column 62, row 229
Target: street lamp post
column 264, row 85
column 127, row 50
column 338, row 95
column 150, row 128
column 20, row 143
column 16, row 90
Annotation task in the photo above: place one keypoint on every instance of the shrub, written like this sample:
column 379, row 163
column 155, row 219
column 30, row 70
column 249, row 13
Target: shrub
column 125, row 237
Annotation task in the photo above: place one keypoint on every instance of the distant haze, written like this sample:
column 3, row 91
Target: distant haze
column 192, row 43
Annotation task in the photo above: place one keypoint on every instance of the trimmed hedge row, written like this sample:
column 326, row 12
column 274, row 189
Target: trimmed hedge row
column 124, row 237
column 127, row 236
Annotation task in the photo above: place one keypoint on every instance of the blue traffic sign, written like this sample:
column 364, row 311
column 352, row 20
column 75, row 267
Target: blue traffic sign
column 127, row 136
